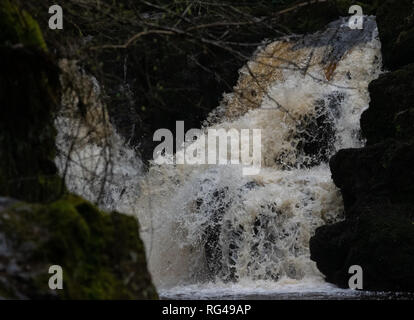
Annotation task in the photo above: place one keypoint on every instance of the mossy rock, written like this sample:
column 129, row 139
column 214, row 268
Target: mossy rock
column 101, row 254
column 18, row 27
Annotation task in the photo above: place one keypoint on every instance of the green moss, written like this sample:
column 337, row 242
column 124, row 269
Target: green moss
column 18, row 26
column 101, row 254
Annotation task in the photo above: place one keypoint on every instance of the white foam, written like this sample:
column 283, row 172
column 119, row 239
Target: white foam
column 259, row 226
column 178, row 203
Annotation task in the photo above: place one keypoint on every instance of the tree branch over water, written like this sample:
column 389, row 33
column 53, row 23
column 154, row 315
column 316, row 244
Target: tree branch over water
column 161, row 60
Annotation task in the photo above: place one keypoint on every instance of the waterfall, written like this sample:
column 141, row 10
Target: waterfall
column 205, row 224
column 211, row 226
column 94, row 159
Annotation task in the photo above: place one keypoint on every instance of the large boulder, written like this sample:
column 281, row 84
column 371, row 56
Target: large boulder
column 101, row 254
column 378, row 233
column 379, row 238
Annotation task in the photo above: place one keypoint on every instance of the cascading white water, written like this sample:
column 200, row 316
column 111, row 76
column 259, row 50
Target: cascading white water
column 95, row 161
column 210, row 226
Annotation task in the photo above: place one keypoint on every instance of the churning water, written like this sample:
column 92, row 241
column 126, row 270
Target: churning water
column 211, row 231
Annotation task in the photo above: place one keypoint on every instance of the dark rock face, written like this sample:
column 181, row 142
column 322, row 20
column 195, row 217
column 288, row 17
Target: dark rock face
column 377, row 181
column 378, row 233
column 375, row 172
column 380, row 239
column 27, row 106
column 392, row 103
column 27, row 133
column 395, row 20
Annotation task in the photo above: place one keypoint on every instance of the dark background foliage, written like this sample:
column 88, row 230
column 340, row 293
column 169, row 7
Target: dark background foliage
column 186, row 58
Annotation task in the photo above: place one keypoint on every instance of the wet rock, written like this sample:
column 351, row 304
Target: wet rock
column 213, row 229
column 316, row 132
column 221, row 235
